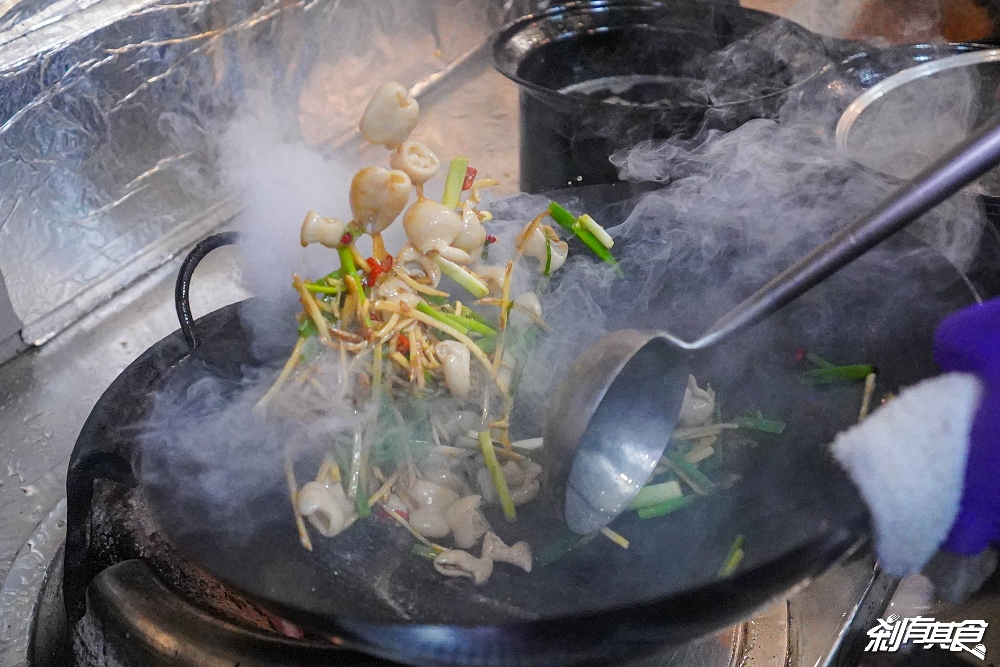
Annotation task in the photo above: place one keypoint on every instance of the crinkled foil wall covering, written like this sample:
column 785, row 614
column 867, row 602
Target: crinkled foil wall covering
column 110, row 114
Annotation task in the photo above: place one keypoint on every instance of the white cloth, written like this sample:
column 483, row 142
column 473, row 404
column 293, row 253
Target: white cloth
column 908, row 459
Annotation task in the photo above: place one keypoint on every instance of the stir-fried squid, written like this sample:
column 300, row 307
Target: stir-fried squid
column 423, row 379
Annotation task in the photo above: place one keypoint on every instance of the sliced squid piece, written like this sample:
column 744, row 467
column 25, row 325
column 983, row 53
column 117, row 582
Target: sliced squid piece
column 518, row 554
column 429, row 522
column 492, row 275
column 431, row 227
column 396, row 504
column 513, row 474
column 429, row 494
column 390, row 116
column 461, row 423
column 432, row 500
column 325, row 231
column 472, row 237
column 409, row 256
column 526, row 492
column 378, row 196
column 522, row 482
column 457, row 563
column 531, row 468
column 318, row 504
column 456, row 255
column 535, row 246
column 444, row 477
column 416, row 160
column 527, row 301
column 698, row 405
column 456, row 363
column 396, row 291
column 347, row 506
column 466, row 522
column 485, row 484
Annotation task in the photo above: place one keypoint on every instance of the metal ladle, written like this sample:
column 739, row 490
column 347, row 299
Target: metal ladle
column 616, row 409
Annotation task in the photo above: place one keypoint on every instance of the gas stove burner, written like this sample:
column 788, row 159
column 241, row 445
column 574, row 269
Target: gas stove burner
column 134, row 619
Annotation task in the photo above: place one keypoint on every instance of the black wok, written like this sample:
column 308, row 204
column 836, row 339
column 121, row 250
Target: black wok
column 794, row 506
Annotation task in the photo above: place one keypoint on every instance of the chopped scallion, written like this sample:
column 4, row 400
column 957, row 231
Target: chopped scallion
column 361, row 500
column 435, row 299
column 471, row 283
column 654, row 494
column 424, row 551
column 454, row 181
column 488, row 345
column 473, row 324
column 835, row 374
column 496, row 474
column 567, row 221
column 817, row 360
column 665, row 507
column 599, row 233
column 324, row 289
column 561, row 546
column 688, row 472
column 734, row 557
column 450, row 320
column 761, row 424
column 564, row 218
column 617, row 538
column 347, row 260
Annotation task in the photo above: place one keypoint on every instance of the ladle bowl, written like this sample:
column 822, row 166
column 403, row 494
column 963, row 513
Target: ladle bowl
column 608, row 460
column 620, row 402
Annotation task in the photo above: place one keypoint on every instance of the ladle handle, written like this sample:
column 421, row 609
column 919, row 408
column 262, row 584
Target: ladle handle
column 962, row 165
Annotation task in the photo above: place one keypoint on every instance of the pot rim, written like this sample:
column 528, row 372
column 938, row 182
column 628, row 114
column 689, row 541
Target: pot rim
column 505, row 62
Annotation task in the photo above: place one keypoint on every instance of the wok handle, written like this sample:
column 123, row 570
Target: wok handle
column 182, row 292
column 956, row 169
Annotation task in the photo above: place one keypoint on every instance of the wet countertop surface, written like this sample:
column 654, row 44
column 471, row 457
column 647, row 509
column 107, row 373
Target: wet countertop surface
column 47, row 393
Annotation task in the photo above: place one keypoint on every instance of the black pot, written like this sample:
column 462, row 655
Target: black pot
column 599, row 76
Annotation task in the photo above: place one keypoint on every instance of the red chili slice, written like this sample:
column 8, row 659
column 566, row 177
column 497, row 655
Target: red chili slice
column 374, row 271
column 346, row 238
column 403, row 344
column 470, row 177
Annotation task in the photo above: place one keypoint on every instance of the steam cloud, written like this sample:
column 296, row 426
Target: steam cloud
column 732, row 209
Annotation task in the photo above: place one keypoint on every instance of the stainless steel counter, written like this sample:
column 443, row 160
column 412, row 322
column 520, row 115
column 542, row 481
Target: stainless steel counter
column 113, row 111
column 47, row 393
